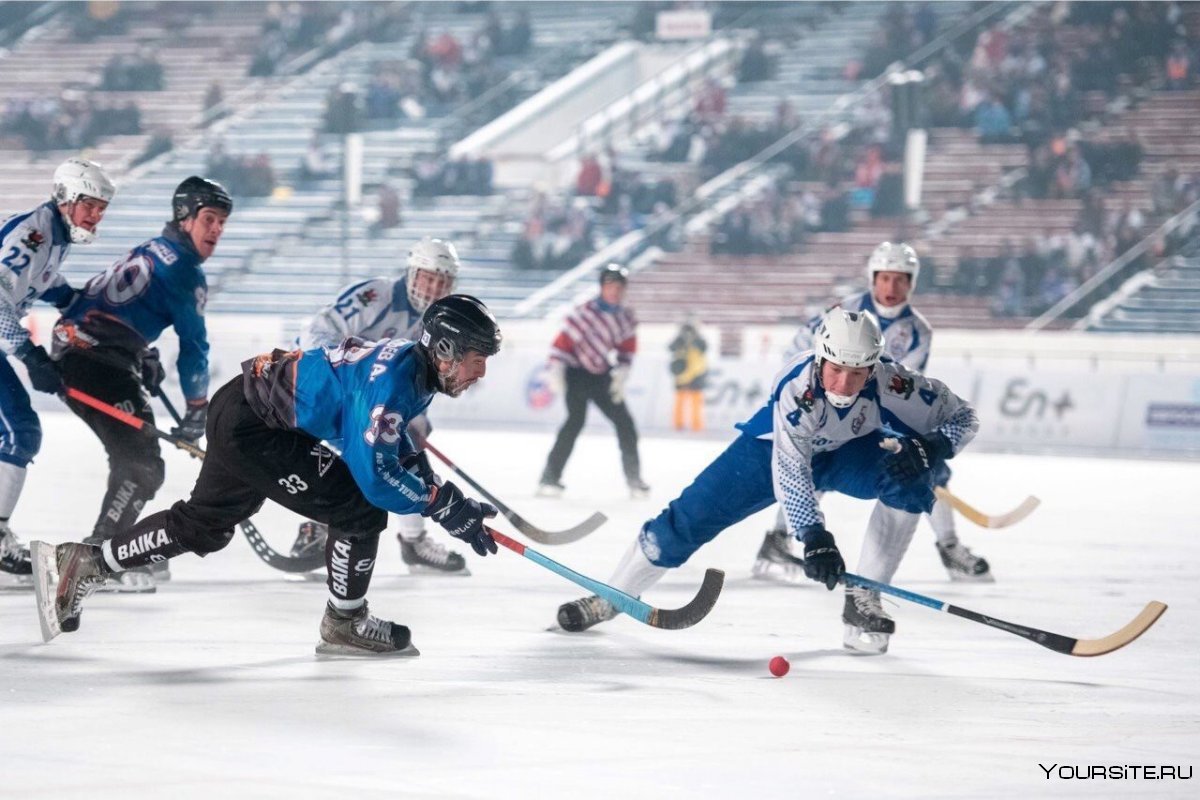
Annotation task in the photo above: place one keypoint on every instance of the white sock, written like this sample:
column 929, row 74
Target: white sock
column 941, row 518
column 411, row 526
column 346, row 605
column 12, row 479
column 634, row 573
column 110, row 559
column 888, row 535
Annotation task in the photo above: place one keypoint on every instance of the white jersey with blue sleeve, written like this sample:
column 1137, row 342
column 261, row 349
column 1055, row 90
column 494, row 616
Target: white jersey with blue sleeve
column 906, row 337
column 373, row 309
column 32, row 248
column 801, row 423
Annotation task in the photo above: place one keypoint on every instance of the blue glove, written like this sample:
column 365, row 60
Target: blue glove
column 822, row 560
column 191, row 427
column 462, row 517
column 913, row 457
column 43, row 373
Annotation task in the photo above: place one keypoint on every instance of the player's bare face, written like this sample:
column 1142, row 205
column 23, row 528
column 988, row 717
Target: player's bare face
column 612, row 293
column 846, row 381
column 205, row 229
column 432, row 286
column 891, row 288
column 461, row 375
column 86, row 212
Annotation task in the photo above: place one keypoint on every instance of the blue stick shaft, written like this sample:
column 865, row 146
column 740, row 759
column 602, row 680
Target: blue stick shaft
column 857, row 580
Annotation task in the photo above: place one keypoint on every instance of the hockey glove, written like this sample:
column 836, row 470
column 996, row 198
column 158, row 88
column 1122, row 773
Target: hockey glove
column 191, row 427
column 915, row 456
column 616, row 383
column 462, row 517
column 153, row 373
column 418, row 464
column 822, row 560
column 43, row 372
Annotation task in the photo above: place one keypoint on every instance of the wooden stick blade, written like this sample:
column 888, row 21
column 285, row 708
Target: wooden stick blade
column 1114, row 641
column 1027, row 507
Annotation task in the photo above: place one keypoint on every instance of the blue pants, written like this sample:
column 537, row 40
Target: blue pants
column 738, row 483
column 20, row 431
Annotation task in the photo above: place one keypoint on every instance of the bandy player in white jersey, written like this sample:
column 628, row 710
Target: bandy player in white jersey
column 840, row 418
column 892, row 274
column 390, row 308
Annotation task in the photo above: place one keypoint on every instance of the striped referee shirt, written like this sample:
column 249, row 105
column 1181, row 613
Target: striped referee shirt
column 592, row 332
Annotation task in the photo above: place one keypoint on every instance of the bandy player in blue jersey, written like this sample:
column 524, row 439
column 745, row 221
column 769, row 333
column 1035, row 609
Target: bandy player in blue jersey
column 892, row 275
column 265, row 432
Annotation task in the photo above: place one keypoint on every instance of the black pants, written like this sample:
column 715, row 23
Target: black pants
column 135, row 465
column 248, row 463
column 583, row 386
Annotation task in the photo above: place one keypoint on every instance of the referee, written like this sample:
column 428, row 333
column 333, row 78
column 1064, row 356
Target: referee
column 594, row 335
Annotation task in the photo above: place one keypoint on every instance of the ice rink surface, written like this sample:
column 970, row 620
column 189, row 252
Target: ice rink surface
column 210, row 688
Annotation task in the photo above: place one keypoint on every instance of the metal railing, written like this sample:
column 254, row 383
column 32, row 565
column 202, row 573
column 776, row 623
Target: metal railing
column 1115, row 271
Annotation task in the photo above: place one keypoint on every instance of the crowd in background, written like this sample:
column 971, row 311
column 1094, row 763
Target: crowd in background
column 242, row 175
column 75, row 119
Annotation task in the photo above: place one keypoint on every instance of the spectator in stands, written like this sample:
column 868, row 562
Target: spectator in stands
column 689, row 368
column 755, row 65
column 315, row 165
column 1180, row 71
column 587, row 183
column 213, row 96
column 1163, row 192
column 1073, row 176
column 970, row 275
column 835, row 208
column 388, row 208
column 160, row 142
column 993, row 123
column 343, row 109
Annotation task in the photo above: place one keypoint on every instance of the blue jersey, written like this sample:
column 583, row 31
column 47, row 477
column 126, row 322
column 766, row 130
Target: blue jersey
column 32, row 248
column 157, row 284
column 359, row 397
column 906, row 336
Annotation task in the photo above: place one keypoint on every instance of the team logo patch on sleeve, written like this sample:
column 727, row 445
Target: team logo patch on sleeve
column 367, row 296
column 33, row 241
column 385, row 427
column 902, row 386
column 805, row 401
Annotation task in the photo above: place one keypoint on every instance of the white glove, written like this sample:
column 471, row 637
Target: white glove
column 556, row 377
column 616, row 385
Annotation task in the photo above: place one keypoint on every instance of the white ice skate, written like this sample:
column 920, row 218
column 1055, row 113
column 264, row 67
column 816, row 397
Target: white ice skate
column 775, row 559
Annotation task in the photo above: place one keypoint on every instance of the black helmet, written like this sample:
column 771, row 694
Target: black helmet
column 458, row 323
column 196, row 193
column 613, row 272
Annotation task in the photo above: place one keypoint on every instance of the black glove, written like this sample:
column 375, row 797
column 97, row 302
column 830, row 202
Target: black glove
column 822, row 561
column 43, row 373
column 418, row 464
column 191, row 427
column 916, row 456
column 462, row 517
column 153, row 373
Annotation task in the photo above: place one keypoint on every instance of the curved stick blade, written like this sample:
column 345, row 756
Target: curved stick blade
column 1114, row 641
column 696, row 609
column 566, row 536
column 276, row 559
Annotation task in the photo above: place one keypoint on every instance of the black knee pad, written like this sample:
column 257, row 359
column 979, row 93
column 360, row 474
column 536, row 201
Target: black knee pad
column 199, row 539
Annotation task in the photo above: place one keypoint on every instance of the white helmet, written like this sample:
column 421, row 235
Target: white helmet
column 890, row 257
column 76, row 178
column 848, row 338
column 431, row 255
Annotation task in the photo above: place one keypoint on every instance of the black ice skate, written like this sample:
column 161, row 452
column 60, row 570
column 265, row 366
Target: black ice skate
column 310, row 542
column 357, row 633
column 63, row 577
column 16, row 572
column 581, row 614
column 423, row 554
column 638, row 488
column 868, row 627
column 963, row 565
column 775, row 558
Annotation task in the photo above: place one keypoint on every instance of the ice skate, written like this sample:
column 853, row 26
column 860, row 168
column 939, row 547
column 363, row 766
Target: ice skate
column 550, row 488
column 63, row 577
column 963, row 565
column 16, row 572
column 424, row 555
column 310, row 539
column 357, row 633
column 638, row 489
column 775, row 558
column 581, row 614
column 868, row 627
column 160, row 571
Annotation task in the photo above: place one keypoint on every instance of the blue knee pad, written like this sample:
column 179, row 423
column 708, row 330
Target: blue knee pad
column 20, row 431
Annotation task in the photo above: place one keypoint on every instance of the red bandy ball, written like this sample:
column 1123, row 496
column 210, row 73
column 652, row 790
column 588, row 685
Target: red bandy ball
column 779, row 666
